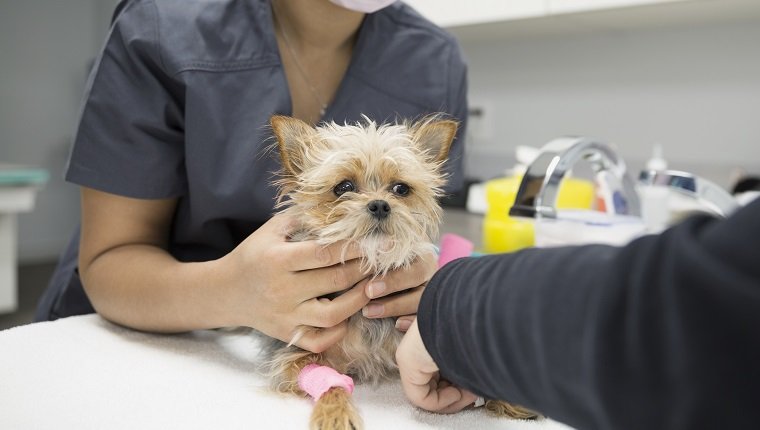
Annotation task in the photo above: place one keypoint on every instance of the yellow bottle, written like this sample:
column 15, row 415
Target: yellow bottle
column 502, row 233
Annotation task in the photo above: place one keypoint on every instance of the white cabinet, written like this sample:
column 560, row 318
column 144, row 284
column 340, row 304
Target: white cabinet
column 18, row 188
column 459, row 13
column 572, row 6
column 454, row 13
column 12, row 201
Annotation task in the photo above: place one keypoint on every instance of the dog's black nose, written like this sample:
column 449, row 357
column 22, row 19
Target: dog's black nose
column 379, row 208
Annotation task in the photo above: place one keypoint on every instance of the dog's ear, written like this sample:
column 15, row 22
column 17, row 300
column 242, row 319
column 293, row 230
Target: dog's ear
column 293, row 137
column 434, row 136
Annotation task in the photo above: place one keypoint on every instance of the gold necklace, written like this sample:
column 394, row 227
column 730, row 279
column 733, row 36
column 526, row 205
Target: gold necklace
column 301, row 71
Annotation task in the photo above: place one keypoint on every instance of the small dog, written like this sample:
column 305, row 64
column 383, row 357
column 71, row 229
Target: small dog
column 375, row 186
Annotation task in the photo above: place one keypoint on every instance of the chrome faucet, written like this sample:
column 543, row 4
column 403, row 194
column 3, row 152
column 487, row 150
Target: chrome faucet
column 537, row 195
column 706, row 194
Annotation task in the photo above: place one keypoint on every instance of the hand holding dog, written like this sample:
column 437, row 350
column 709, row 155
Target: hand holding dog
column 422, row 381
column 280, row 283
column 408, row 284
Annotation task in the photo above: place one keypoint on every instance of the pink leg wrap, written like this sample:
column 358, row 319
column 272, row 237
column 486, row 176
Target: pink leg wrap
column 315, row 380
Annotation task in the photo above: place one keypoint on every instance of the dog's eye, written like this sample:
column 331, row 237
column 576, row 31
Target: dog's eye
column 343, row 187
column 400, row 189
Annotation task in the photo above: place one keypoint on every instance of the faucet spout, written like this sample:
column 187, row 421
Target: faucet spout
column 707, row 194
column 537, row 195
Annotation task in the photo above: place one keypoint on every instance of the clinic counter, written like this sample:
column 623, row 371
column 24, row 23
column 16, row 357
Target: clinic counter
column 463, row 223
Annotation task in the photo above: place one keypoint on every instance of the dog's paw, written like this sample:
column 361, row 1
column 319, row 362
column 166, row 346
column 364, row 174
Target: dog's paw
column 503, row 409
column 335, row 411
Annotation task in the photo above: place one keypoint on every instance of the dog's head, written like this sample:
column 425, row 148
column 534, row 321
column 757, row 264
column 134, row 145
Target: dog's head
column 373, row 185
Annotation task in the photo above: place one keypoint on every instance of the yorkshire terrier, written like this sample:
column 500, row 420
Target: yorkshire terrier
column 377, row 187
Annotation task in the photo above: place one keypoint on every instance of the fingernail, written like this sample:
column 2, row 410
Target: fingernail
column 403, row 324
column 373, row 310
column 375, row 289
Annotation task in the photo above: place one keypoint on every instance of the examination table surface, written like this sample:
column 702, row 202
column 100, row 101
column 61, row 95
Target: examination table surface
column 84, row 372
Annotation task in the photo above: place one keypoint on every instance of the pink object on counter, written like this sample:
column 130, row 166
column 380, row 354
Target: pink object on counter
column 453, row 247
column 315, row 380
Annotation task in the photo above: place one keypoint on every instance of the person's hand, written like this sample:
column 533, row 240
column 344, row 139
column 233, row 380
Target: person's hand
column 278, row 285
column 398, row 293
column 422, row 381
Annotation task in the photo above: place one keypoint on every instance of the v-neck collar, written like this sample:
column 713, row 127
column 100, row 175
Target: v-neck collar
column 356, row 56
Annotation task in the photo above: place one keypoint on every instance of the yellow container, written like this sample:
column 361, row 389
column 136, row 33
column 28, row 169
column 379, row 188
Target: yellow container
column 502, row 233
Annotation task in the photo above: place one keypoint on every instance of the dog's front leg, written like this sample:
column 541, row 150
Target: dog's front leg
column 332, row 392
column 335, row 411
column 309, row 375
column 501, row 408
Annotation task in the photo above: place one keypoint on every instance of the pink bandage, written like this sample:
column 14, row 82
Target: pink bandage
column 315, row 380
column 453, row 247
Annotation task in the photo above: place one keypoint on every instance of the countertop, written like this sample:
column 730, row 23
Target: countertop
column 465, row 224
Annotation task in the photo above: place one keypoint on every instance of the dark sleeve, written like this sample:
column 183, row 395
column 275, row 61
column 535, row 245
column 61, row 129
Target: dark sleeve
column 458, row 107
column 662, row 333
column 130, row 138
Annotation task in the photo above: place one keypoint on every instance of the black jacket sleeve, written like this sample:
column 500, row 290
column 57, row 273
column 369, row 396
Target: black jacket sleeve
column 661, row 333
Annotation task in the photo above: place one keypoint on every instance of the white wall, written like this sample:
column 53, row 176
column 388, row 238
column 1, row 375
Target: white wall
column 46, row 47
column 693, row 88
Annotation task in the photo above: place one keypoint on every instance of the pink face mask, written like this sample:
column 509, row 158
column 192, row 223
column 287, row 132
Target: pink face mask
column 365, row 6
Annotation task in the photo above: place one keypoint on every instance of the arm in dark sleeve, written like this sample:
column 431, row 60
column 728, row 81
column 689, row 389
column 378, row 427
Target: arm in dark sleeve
column 662, row 333
column 458, row 108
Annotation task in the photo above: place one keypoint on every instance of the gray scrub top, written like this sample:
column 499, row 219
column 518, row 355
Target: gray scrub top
column 179, row 101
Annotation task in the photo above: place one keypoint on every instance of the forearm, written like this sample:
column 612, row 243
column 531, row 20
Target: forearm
column 144, row 287
column 661, row 333
column 501, row 327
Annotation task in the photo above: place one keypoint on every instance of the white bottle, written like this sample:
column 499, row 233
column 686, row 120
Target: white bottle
column 657, row 161
column 655, row 199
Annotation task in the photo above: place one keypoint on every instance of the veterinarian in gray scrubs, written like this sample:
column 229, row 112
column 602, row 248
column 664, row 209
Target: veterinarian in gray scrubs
column 663, row 333
column 170, row 154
